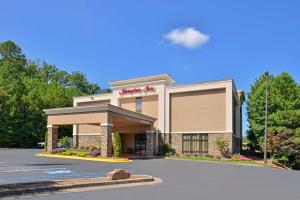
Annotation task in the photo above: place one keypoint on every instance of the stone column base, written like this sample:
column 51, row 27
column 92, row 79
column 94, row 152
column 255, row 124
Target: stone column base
column 150, row 143
column 106, row 141
column 52, row 137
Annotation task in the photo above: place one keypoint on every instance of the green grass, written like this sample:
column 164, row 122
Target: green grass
column 79, row 152
column 204, row 158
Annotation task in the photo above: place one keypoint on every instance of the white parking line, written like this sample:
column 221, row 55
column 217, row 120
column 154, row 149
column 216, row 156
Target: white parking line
column 28, row 170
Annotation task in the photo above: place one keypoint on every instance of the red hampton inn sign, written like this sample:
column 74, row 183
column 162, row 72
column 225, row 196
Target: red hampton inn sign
column 132, row 91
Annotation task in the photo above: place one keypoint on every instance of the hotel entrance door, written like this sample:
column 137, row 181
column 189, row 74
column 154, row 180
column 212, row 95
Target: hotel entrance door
column 140, row 144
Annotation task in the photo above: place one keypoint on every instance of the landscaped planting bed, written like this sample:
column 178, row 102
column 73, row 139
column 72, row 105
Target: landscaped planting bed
column 80, row 152
column 235, row 159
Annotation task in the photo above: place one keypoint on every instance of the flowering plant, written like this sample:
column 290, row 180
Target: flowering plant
column 240, row 158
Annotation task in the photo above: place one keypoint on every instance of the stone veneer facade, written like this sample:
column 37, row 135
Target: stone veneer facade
column 149, row 143
column 106, row 141
column 175, row 141
column 103, row 140
column 52, row 138
column 87, row 140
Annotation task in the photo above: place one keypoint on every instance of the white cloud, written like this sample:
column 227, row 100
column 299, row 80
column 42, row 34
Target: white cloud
column 187, row 37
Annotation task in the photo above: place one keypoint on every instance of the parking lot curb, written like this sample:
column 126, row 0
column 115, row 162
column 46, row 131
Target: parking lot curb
column 49, row 186
column 111, row 160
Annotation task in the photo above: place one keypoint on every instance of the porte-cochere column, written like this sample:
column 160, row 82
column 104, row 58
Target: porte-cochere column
column 150, row 141
column 52, row 137
column 106, row 139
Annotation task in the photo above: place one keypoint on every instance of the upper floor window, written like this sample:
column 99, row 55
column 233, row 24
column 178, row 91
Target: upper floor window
column 138, row 104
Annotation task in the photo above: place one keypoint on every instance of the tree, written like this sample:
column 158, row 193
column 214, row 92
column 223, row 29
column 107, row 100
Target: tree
column 283, row 117
column 256, row 112
column 9, row 49
column 283, row 145
column 78, row 80
column 28, row 87
column 283, row 107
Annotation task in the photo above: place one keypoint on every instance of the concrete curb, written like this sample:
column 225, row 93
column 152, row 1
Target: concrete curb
column 45, row 186
column 111, row 160
column 277, row 164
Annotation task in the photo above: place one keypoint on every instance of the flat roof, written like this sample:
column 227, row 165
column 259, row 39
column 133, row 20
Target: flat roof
column 98, row 108
column 159, row 77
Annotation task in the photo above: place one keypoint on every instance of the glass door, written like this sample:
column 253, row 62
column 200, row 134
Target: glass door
column 140, row 144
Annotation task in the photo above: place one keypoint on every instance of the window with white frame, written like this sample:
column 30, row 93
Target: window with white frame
column 138, row 104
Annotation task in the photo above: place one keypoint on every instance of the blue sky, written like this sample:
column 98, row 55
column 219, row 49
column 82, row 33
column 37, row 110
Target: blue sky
column 191, row 40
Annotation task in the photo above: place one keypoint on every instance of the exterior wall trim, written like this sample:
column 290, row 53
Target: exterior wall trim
column 106, row 124
column 150, row 131
column 51, row 126
column 165, row 77
column 87, row 134
column 104, row 96
column 208, row 84
column 210, row 132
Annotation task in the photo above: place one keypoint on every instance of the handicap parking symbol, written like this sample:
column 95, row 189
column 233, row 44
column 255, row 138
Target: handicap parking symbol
column 54, row 172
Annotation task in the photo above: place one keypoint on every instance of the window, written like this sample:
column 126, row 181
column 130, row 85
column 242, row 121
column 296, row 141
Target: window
column 196, row 143
column 138, row 104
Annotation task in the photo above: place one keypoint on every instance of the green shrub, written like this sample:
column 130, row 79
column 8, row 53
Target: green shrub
column 117, row 144
column 223, row 146
column 284, row 147
column 297, row 132
column 66, row 153
column 169, row 154
column 65, row 142
column 283, row 159
column 82, row 154
column 164, row 148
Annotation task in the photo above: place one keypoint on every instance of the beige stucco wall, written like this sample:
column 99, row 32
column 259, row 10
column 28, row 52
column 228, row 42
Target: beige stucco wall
column 88, row 129
column 149, row 105
column 198, row 111
column 128, row 103
column 83, row 118
column 93, row 103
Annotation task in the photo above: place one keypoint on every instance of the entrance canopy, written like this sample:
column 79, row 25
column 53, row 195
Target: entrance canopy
column 108, row 117
column 101, row 114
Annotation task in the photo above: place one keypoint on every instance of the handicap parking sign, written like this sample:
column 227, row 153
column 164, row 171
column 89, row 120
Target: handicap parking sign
column 54, row 172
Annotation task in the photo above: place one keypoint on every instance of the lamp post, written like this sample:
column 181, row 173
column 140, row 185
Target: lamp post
column 266, row 120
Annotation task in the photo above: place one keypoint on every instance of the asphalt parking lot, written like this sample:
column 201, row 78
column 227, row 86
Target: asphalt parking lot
column 180, row 179
column 20, row 165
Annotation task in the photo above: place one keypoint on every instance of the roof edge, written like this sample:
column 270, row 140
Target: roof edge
column 164, row 76
column 98, row 108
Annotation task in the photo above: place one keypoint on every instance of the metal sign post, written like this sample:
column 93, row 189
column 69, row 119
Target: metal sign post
column 266, row 120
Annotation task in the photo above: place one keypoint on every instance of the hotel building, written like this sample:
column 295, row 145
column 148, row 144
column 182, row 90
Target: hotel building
column 153, row 110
